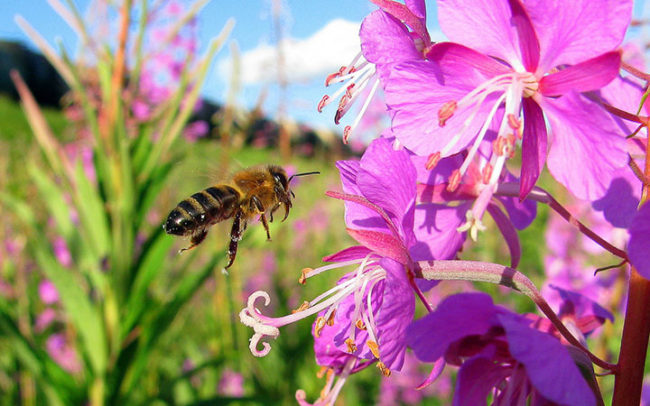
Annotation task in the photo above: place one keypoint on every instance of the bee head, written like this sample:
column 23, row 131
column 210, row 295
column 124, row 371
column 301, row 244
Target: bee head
column 280, row 176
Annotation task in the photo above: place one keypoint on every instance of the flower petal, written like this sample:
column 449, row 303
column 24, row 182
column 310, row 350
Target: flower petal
column 451, row 57
column 385, row 40
column 485, row 26
column 520, row 213
column 417, row 90
column 387, row 178
column 548, row 363
column 455, row 317
column 508, row 232
column 476, row 377
column 639, row 245
column 435, row 231
column 414, row 18
column 583, row 77
column 570, row 32
column 383, row 244
column 587, row 145
column 533, row 147
column 348, row 254
column 395, row 315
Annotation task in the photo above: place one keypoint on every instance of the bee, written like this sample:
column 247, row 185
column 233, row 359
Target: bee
column 253, row 191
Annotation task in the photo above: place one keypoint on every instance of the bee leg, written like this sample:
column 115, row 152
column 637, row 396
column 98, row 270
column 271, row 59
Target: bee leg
column 197, row 238
column 235, row 236
column 266, row 226
column 287, row 207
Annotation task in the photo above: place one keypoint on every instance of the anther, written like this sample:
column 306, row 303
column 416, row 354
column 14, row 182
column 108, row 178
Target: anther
column 303, row 275
column 359, row 324
column 321, row 372
column 384, row 370
column 446, row 111
column 487, row 173
column 433, row 160
column 320, row 323
column 322, row 103
column 330, row 320
column 352, row 347
column 454, row 181
column 346, row 133
column 374, row 348
column 513, row 122
column 303, row 306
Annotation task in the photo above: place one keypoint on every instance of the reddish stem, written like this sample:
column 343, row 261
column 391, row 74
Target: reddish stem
column 634, row 344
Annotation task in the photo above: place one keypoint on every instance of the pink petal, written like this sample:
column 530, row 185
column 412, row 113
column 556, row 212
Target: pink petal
column 528, row 43
column 570, row 32
column 639, row 246
column 415, row 93
column 384, row 39
column 476, row 378
column 457, row 316
column 387, row 178
column 348, row 254
column 485, row 26
column 435, row 231
column 383, row 244
column 508, row 232
column 397, row 310
column 548, row 364
column 405, row 15
column 533, row 148
column 451, row 57
column 583, row 77
column 587, row 145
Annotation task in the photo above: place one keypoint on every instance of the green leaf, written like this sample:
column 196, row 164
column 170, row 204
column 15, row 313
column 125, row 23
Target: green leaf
column 163, row 318
column 54, row 201
column 92, row 214
column 149, row 268
column 78, row 307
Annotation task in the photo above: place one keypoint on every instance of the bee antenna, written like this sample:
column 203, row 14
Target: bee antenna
column 302, row 174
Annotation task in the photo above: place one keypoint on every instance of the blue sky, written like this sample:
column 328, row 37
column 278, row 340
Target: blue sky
column 253, row 28
column 302, row 19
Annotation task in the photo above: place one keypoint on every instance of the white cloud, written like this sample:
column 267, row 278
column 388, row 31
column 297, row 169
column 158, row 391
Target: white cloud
column 324, row 52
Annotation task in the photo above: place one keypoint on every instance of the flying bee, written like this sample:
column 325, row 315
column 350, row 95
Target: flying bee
column 253, row 191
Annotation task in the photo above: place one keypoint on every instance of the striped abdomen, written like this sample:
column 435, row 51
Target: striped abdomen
column 203, row 209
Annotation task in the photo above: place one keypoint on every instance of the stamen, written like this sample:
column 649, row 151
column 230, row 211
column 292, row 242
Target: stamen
column 374, row 348
column 384, row 370
column 454, row 181
column 352, row 347
column 487, row 172
column 303, row 275
column 321, row 372
column 330, row 319
column 360, row 325
column 514, row 122
column 322, row 103
column 433, row 160
column 320, row 323
column 446, row 111
column 302, row 307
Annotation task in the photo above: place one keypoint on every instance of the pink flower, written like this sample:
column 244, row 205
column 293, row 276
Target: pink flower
column 48, row 293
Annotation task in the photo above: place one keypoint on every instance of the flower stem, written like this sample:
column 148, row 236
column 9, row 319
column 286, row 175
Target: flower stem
column 634, row 344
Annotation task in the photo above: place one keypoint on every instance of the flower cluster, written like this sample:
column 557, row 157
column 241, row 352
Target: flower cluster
column 537, row 81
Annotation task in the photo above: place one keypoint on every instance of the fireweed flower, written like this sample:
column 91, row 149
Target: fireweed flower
column 363, row 319
column 529, row 64
column 385, row 40
column 499, row 353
